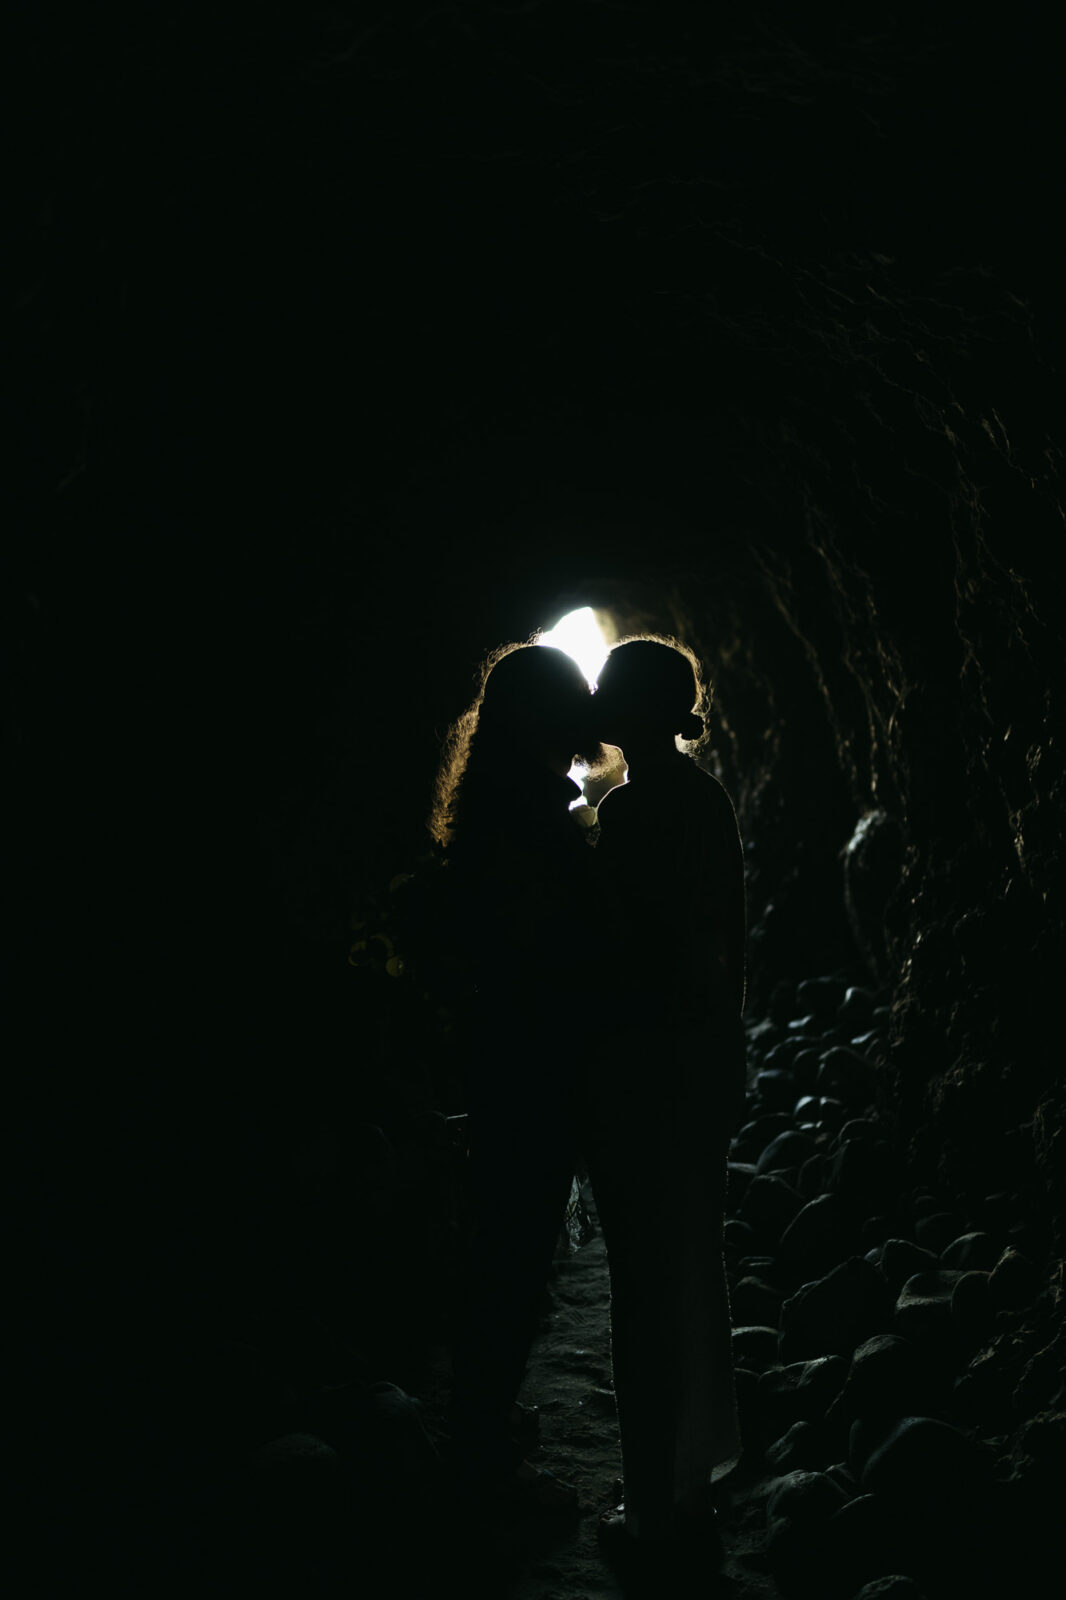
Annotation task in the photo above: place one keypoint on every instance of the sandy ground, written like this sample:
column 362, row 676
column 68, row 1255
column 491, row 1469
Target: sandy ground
column 569, row 1378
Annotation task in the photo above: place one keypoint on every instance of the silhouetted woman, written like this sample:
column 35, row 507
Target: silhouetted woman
column 519, row 866
column 670, row 1084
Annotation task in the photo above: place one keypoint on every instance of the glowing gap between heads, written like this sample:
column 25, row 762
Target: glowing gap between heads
column 580, row 635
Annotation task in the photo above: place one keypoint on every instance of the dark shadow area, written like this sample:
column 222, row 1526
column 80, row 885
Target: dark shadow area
column 348, row 343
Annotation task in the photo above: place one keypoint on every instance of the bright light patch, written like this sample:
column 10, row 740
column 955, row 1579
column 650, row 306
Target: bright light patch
column 580, row 635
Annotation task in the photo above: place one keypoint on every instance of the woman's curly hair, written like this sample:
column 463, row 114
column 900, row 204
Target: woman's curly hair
column 455, row 750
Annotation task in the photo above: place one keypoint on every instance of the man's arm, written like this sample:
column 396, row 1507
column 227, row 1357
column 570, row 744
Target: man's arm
column 732, row 931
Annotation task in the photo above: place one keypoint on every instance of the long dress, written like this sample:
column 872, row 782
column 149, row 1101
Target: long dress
column 522, row 876
column 665, row 1092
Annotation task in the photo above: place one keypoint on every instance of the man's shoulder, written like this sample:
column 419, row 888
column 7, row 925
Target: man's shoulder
column 623, row 804
column 711, row 791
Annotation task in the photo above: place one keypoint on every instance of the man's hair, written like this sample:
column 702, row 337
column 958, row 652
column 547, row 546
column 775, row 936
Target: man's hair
column 662, row 679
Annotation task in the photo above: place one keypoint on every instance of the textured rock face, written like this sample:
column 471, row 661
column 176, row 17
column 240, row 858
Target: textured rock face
column 909, row 649
column 917, row 1371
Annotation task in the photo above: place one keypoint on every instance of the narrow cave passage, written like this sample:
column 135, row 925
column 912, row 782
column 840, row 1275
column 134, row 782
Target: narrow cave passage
column 873, row 1303
column 348, row 345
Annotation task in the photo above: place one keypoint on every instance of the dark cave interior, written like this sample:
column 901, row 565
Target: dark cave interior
column 352, row 341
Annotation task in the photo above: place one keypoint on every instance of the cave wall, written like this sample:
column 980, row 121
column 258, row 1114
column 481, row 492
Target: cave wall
column 869, row 566
column 346, row 349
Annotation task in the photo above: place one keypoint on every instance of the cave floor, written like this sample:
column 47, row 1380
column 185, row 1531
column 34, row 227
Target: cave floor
column 569, row 1378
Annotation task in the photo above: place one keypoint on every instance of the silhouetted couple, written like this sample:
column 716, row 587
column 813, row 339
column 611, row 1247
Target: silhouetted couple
column 610, row 985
